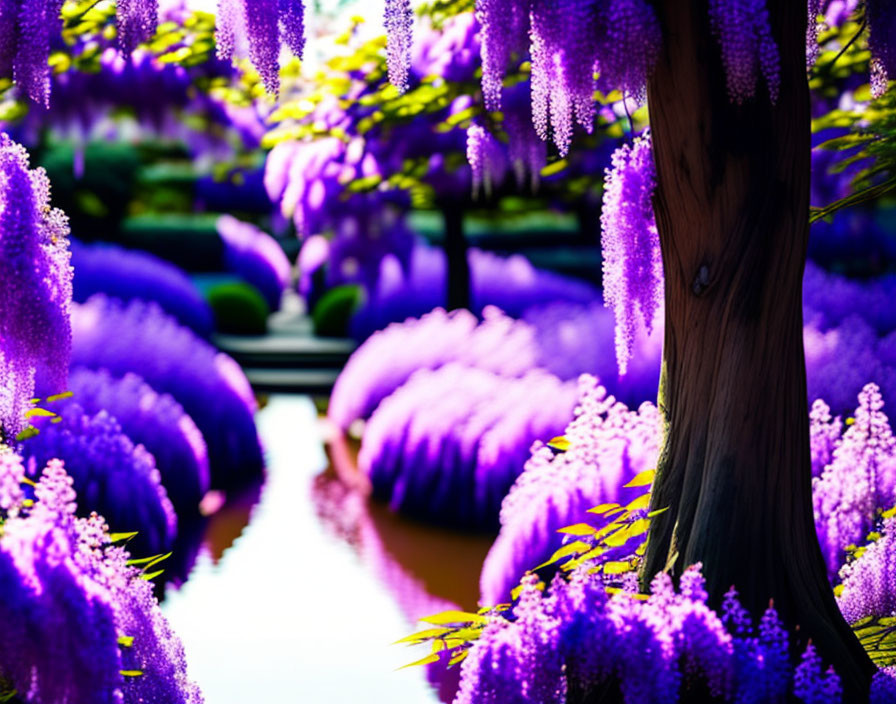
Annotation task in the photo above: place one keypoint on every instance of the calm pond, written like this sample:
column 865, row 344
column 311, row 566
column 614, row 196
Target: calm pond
column 299, row 590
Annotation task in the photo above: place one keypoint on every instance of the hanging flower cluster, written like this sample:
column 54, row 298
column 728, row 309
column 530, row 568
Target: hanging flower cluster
column 35, row 286
column 881, row 15
column 27, row 29
column 261, row 25
column 486, row 158
column 137, row 22
column 568, row 41
column 632, row 262
column 79, row 624
column 399, row 22
column 748, row 49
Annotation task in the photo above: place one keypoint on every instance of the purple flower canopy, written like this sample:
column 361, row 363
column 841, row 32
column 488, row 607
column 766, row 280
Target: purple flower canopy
column 132, row 274
column 153, row 420
column 112, row 476
column 69, row 597
column 210, row 386
column 256, row 257
column 35, row 287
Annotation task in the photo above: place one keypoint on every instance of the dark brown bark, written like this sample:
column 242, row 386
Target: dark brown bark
column 457, row 266
column 732, row 212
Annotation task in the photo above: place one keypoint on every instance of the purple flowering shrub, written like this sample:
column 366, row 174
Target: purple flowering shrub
column 210, row 386
column 80, row 625
column 35, row 287
column 256, row 257
column 132, row 274
column 573, row 641
column 154, row 420
column 112, row 476
column 607, row 446
column 858, row 477
column 450, row 442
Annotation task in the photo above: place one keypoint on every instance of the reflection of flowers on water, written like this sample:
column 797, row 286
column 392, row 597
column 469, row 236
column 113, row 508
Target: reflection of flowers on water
column 345, row 514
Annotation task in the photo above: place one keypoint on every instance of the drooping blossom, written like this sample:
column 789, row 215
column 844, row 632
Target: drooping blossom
column 567, row 43
column 748, row 49
column 261, row 25
column 399, row 22
column 153, row 420
column 132, row 274
column 881, row 16
column 137, row 21
column 608, row 445
column 76, row 616
column 486, row 158
column 210, row 386
column 256, row 257
column 110, row 474
column 35, row 286
column 632, row 263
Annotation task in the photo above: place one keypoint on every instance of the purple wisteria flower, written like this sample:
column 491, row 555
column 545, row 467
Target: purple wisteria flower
column 112, row 476
column 131, row 274
column 572, row 640
column 35, row 287
column 869, row 582
column 881, row 16
column 632, row 266
column 859, row 479
column 256, row 257
column 209, row 385
column 261, row 25
column 79, row 623
column 153, row 420
column 608, row 445
column 448, row 444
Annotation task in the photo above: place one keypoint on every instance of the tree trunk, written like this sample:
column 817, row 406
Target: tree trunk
column 731, row 205
column 457, row 266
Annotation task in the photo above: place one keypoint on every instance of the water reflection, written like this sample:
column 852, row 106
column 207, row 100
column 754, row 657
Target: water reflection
column 298, row 608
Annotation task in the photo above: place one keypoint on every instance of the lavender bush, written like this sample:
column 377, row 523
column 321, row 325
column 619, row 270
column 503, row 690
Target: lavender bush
column 449, row 444
column 256, row 257
column 113, row 476
column 132, row 274
column 209, row 385
column 153, row 420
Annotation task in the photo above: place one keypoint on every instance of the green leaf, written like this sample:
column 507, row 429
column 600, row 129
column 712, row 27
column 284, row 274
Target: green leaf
column 151, row 575
column 131, row 673
column 644, row 478
column 575, row 548
column 422, row 636
column 121, row 537
column 608, row 509
column 559, row 443
column 578, row 529
column 446, row 617
column 39, row 412
column 126, row 641
column 59, row 397
column 434, row 657
column 28, row 432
